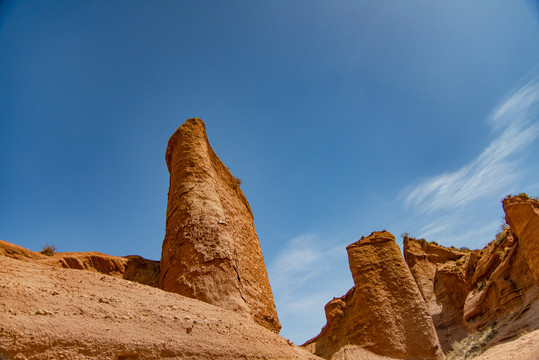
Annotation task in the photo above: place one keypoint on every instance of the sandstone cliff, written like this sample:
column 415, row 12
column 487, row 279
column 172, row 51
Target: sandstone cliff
column 444, row 290
column 468, row 291
column 384, row 312
column 522, row 215
column 211, row 251
column 51, row 313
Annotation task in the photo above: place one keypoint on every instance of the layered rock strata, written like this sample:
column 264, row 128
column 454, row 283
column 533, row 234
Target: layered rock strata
column 384, row 312
column 211, row 251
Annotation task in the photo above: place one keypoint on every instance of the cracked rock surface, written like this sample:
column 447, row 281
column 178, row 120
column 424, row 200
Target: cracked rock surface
column 211, row 251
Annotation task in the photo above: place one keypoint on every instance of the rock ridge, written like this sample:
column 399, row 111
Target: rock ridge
column 131, row 267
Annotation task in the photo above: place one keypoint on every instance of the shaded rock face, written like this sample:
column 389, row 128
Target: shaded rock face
column 132, row 267
column 444, row 290
column 522, row 215
column 211, row 251
column 468, row 291
column 501, row 285
column 384, row 312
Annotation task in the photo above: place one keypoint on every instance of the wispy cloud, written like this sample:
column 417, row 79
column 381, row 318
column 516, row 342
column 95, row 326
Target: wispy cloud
column 306, row 274
column 515, row 123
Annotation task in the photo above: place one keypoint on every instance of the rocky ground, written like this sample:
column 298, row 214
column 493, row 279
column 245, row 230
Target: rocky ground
column 525, row 347
column 53, row 313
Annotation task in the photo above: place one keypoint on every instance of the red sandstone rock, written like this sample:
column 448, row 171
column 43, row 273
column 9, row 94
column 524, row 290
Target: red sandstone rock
column 501, row 287
column 384, row 312
column 211, row 251
column 482, row 288
column 522, row 215
column 444, row 290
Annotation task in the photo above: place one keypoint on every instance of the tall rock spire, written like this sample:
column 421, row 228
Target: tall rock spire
column 211, row 251
column 383, row 313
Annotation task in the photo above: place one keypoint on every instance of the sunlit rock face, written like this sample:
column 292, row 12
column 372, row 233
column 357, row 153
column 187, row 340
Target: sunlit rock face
column 522, row 215
column 211, row 251
column 384, row 312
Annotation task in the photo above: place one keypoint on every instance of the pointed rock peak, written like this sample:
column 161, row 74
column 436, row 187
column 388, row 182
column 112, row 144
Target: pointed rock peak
column 193, row 128
column 384, row 312
column 211, row 251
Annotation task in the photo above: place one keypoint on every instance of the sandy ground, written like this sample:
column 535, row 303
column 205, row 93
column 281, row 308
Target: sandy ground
column 54, row 313
column 525, row 347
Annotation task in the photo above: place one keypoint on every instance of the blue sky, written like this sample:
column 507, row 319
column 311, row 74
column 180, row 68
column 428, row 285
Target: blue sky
column 340, row 117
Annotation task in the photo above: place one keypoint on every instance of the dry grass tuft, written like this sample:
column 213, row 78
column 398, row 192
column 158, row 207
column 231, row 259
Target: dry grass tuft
column 48, row 249
column 474, row 344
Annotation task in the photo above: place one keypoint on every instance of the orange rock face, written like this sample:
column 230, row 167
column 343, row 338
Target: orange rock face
column 211, row 251
column 468, row 291
column 501, row 285
column 522, row 215
column 444, row 290
column 384, row 312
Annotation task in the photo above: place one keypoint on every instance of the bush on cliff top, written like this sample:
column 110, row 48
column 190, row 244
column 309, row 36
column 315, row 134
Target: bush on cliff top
column 48, row 249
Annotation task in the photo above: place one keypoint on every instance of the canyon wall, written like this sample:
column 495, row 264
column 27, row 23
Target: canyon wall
column 468, row 291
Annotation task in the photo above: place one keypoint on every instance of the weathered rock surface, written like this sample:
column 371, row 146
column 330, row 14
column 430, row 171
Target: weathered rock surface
column 522, row 215
column 354, row 352
column 132, row 267
column 55, row 313
column 444, row 290
column 384, row 312
column 525, row 347
column 501, row 288
column 493, row 286
column 211, row 251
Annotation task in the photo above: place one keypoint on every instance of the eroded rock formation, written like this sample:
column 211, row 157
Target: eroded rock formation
column 384, row 312
column 444, row 290
column 468, row 291
column 522, row 215
column 132, row 267
column 501, row 287
column 211, row 251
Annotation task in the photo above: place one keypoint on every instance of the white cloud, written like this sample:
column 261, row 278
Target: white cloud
column 306, row 274
column 496, row 168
